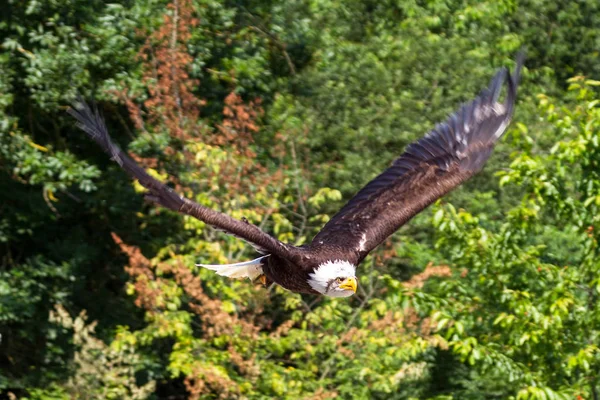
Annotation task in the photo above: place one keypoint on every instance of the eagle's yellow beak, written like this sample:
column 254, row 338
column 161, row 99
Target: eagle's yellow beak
column 349, row 284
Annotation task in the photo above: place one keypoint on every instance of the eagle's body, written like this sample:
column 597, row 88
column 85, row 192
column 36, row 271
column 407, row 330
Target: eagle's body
column 297, row 275
column 287, row 274
column 429, row 168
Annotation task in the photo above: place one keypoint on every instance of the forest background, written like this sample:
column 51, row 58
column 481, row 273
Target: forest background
column 279, row 111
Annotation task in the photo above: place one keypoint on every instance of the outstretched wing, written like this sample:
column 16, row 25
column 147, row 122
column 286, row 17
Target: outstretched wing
column 93, row 124
column 429, row 168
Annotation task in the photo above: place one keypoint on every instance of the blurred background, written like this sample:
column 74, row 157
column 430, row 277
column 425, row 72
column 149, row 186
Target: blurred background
column 279, row 111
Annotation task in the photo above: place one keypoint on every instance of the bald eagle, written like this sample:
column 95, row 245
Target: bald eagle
column 429, row 168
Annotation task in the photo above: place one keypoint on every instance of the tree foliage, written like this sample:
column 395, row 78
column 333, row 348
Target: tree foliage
column 278, row 112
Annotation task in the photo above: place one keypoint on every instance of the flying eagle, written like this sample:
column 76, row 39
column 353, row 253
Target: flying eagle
column 429, row 168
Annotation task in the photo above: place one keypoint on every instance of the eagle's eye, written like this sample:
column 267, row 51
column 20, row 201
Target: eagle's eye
column 338, row 280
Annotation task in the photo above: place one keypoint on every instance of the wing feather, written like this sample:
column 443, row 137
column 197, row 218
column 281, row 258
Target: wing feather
column 93, row 124
column 429, row 168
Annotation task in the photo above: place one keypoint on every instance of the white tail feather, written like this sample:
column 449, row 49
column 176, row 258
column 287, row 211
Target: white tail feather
column 247, row 269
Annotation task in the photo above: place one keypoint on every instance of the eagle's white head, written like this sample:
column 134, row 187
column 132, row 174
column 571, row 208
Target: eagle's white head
column 334, row 278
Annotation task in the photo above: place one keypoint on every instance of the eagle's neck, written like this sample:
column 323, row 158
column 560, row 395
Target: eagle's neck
column 325, row 273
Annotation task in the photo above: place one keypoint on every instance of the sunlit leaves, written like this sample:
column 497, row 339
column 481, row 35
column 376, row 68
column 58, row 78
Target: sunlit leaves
column 543, row 317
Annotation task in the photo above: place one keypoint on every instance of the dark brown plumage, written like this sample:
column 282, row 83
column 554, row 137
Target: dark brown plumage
column 429, row 168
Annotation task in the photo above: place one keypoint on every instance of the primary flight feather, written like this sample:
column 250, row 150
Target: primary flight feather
column 447, row 156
